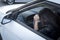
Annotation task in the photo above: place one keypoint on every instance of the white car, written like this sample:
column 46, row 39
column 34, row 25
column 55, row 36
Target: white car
column 14, row 30
column 13, row 27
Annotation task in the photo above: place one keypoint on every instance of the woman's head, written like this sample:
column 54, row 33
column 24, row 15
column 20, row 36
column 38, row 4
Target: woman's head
column 46, row 15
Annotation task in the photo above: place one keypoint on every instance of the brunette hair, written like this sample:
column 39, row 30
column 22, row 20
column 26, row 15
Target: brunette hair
column 47, row 15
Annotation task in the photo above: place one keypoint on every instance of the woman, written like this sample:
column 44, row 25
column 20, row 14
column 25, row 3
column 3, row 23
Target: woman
column 45, row 22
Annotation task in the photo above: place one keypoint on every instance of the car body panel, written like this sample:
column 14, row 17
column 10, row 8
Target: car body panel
column 10, row 7
column 55, row 1
column 16, row 31
column 4, row 9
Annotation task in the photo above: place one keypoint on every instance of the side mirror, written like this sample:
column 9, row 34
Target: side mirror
column 5, row 20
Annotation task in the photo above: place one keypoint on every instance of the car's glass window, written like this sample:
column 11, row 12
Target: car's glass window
column 27, row 16
column 30, row 12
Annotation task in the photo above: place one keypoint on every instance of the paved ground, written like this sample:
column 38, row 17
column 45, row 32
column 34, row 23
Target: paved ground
column 2, row 4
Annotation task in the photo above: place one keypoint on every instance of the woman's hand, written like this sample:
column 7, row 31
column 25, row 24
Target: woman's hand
column 36, row 18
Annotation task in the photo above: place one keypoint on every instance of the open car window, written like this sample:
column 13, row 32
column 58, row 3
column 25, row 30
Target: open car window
column 31, row 12
column 27, row 16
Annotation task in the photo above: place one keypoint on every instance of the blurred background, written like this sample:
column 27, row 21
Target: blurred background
column 2, row 4
column 10, row 2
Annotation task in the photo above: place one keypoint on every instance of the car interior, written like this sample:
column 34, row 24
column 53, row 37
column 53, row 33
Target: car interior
column 28, row 20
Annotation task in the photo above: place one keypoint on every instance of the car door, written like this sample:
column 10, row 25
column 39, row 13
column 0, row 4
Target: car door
column 16, row 31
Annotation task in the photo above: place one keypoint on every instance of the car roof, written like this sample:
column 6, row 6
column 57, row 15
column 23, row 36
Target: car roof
column 55, row 1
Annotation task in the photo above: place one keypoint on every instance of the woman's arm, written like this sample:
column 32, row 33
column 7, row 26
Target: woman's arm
column 35, row 25
column 36, row 20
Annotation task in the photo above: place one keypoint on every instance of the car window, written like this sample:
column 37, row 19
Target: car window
column 27, row 16
column 30, row 12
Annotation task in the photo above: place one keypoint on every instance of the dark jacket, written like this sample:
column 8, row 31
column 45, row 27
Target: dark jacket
column 0, row 37
column 50, row 28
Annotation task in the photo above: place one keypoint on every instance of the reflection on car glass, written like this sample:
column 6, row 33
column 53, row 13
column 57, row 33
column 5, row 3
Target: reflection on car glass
column 32, row 11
